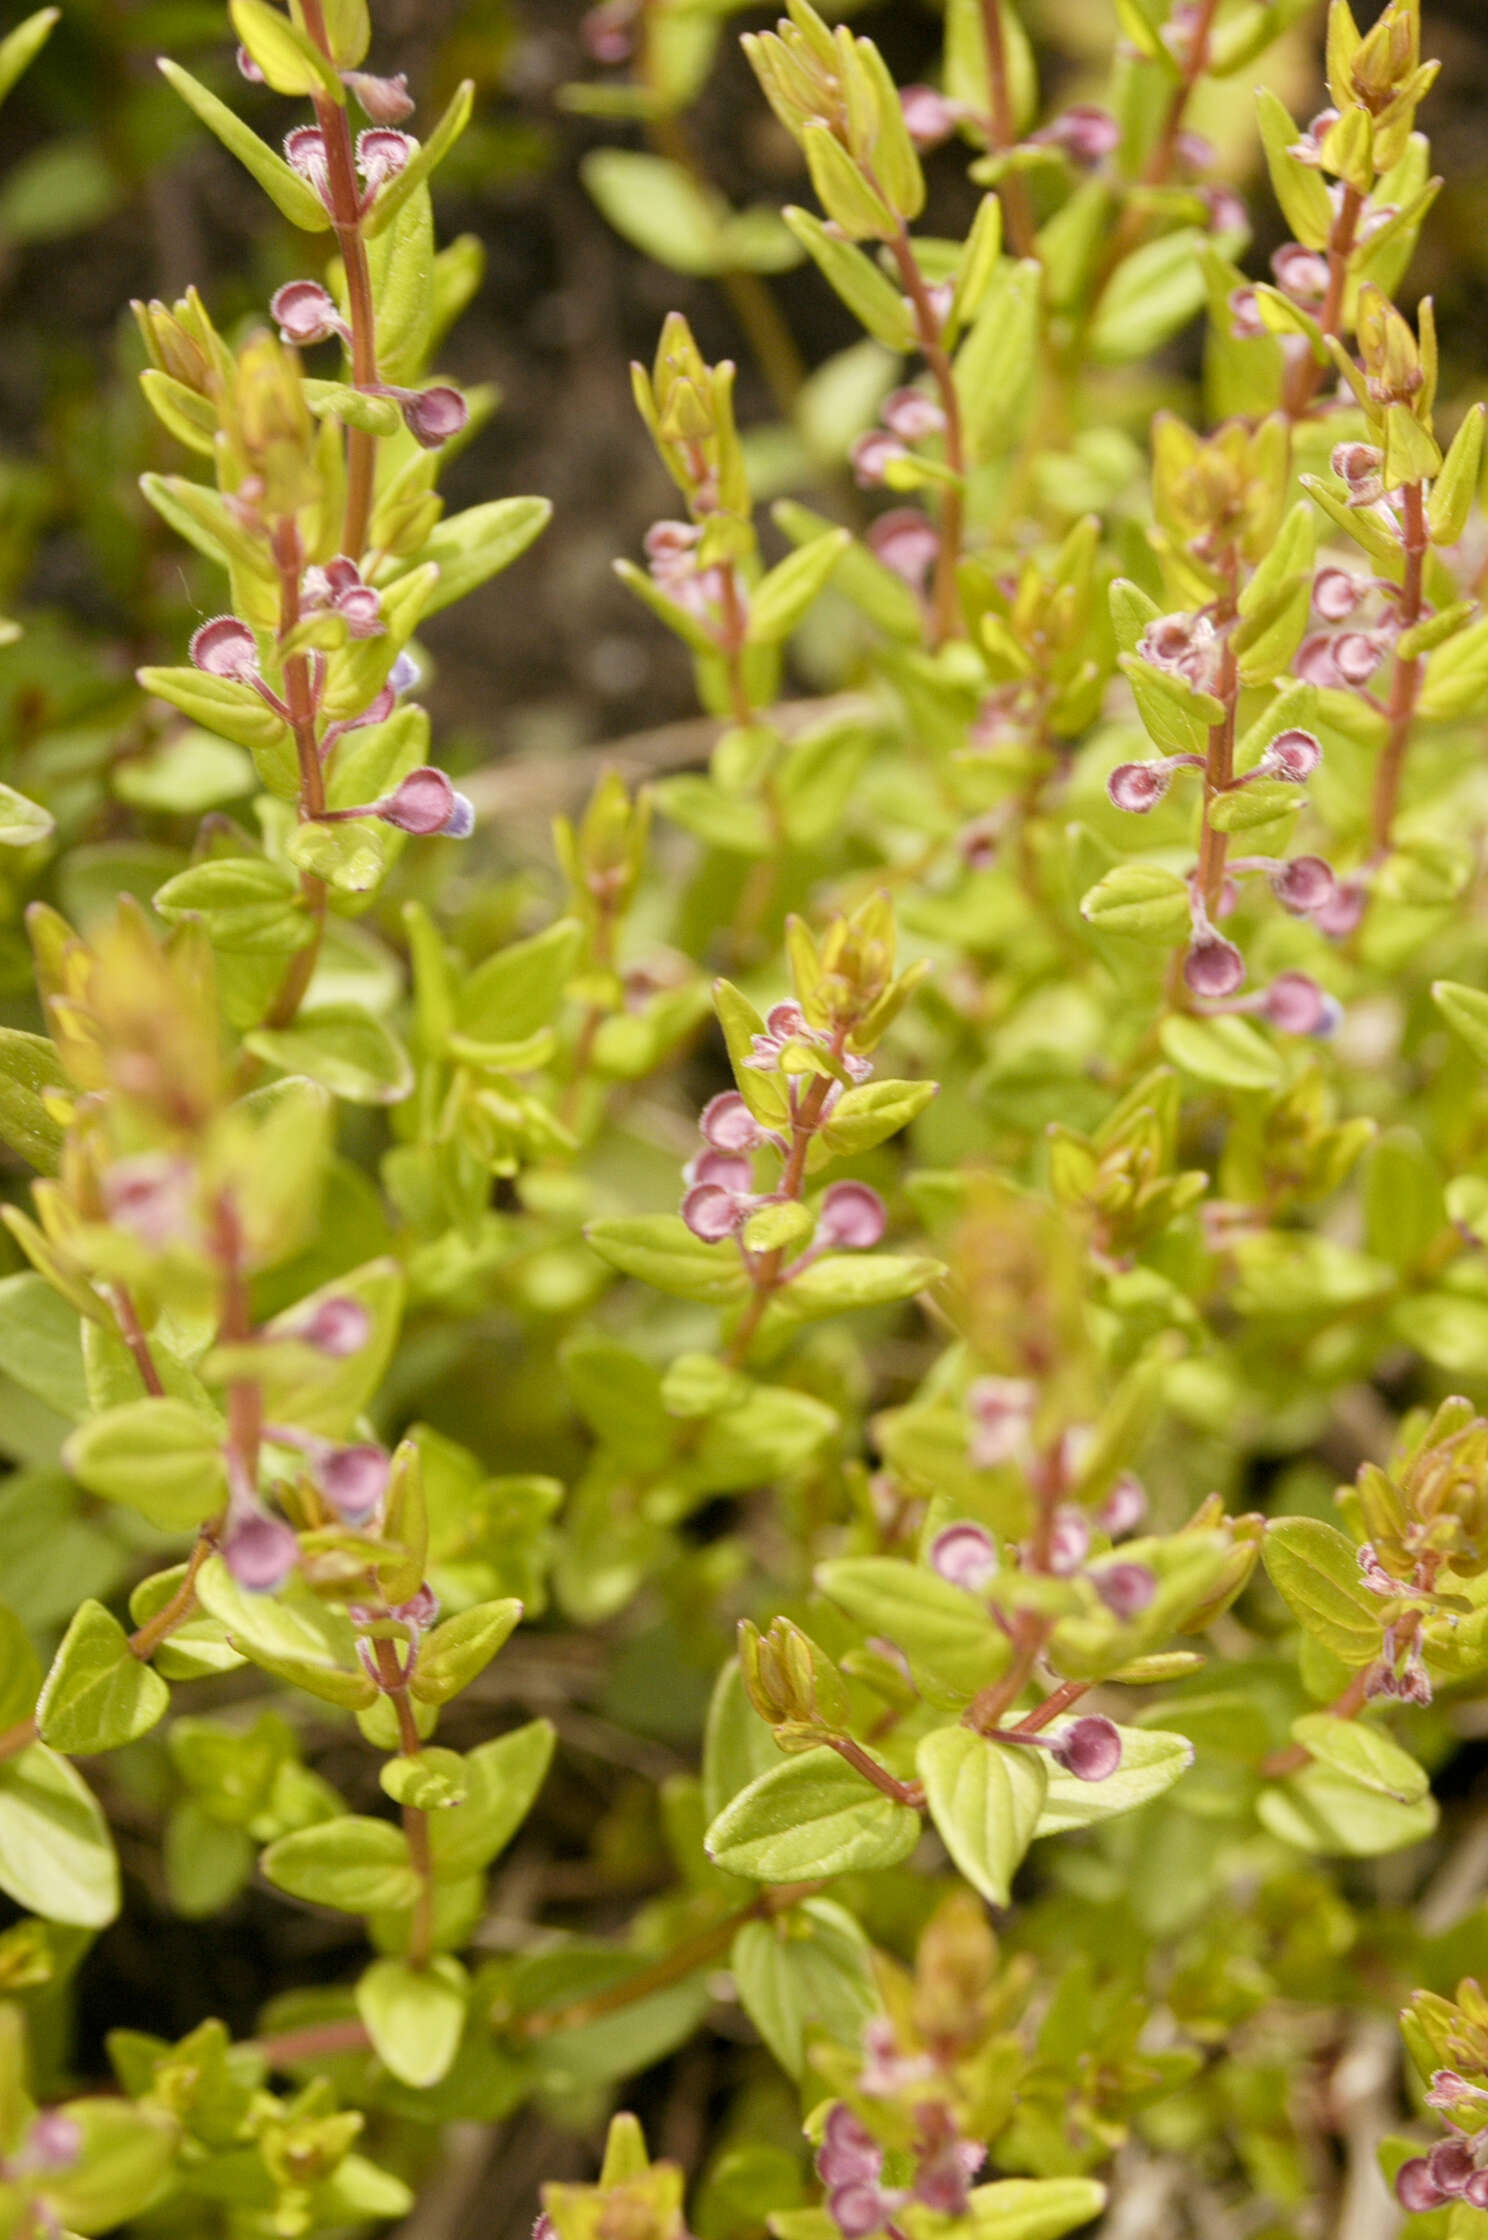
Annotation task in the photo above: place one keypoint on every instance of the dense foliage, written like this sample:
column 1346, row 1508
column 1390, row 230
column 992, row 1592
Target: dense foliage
column 973, row 1411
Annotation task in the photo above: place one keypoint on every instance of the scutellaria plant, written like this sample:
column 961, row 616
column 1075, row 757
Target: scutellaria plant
column 1030, row 1477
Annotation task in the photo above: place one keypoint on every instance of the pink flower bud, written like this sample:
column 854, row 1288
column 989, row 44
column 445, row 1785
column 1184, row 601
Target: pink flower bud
column 1086, row 134
column 1186, row 645
column 385, row 100
column 1138, row 786
column 1415, row 2188
column 339, row 1327
column 305, row 153
column 964, row 1555
column 849, row 2153
column 671, row 541
column 1246, row 323
column 852, row 1217
column 1307, row 149
column 248, row 68
column 259, row 1550
column 423, row 803
column 1356, row 656
column 929, row 116
column 912, row 416
column 858, row 2210
column 1126, row 1589
column 1195, row 152
column 1069, row 1540
column 1336, row 592
column 713, row 1213
column 225, row 647
column 53, row 2143
column 1300, row 273
column 1293, row 755
column 606, row 32
column 305, row 312
column 433, row 416
column 1123, row 1508
column 1297, row 1005
column 1213, row 966
column 361, row 609
column 381, row 154
column 907, row 543
column 1089, row 1748
column 872, row 454
column 1361, row 466
column 728, row 1124
column 1303, row 885
column 353, row 1479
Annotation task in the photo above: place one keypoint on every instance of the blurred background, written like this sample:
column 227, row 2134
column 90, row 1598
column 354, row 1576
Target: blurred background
column 109, row 190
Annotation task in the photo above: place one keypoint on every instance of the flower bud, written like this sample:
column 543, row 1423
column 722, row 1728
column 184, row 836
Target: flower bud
column 912, row 416
column 53, row 2143
column 964, row 1556
column 1213, row 966
column 1293, row 755
column 225, row 647
column 727, row 1124
column 1297, row 1005
column 1415, row 2188
column 385, row 100
column 259, row 1550
column 929, row 116
column 858, row 2210
column 248, row 68
column 1123, row 1508
column 460, row 822
column 729, row 1170
column 353, row 1479
column 606, row 32
column 152, row 1197
column 423, row 803
column 872, row 454
column 1138, row 786
column 852, row 1217
column 1303, row 884
column 305, row 313
column 433, row 416
column 1126, row 1589
column 381, row 154
column 1002, row 1412
column 1246, row 323
column 404, row 676
column 1089, row 1748
column 1341, row 915
column 907, row 543
column 1336, row 592
column 1069, row 1540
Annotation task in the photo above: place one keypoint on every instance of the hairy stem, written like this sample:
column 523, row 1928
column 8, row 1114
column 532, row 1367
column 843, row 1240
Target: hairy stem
column 1406, row 683
column 862, row 1761
column 946, row 604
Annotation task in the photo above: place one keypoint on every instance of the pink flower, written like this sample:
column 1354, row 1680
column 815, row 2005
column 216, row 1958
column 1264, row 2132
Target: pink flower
column 338, row 1327
column 1356, row 656
column 785, row 1025
column 1186, row 645
column 713, row 1212
column 338, row 586
column 426, row 803
column 225, row 647
column 1213, row 966
column 907, row 543
column 1126, row 1589
column 728, row 1170
column 852, row 1217
column 607, row 33
column 1297, row 1005
column 964, row 1556
column 872, row 455
column 1361, row 466
column 1086, row 134
column 305, row 153
column 727, row 1124
column 353, row 1479
column 305, row 312
column 1088, row 1748
column 381, row 154
column 1002, row 1416
column 1138, row 786
column 259, row 1550
column 385, row 100
column 848, row 2152
column 1336, row 592
column 1303, row 884
column 1293, row 755
column 153, row 1197
column 1246, row 323
column 1300, row 273
column 1123, row 1508
column 929, row 116
column 1069, row 1540
column 1308, row 149
column 433, row 416
column 1340, row 917
column 53, row 2144
column 1416, row 2189
column 912, row 416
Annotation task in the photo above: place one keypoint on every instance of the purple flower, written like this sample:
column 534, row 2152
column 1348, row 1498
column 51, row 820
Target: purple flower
column 305, row 153
column 1138, row 786
column 259, row 1550
column 912, row 416
column 1293, row 755
column 385, row 100
column 1297, row 1005
column 1186, row 645
column 713, row 1212
column 852, row 1217
column 1123, row 1508
column 1300, row 273
column 1361, row 466
column 727, row 1124
column 964, row 1556
column 305, row 312
column 1126, row 1589
column 1451, row 2164
column 1246, row 323
column 225, row 647
column 353, row 1479
column 424, row 803
column 432, row 416
column 1416, row 2189
column 1088, row 1748
column 338, row 586
column 381, row 154
column 1339, row 917
column 1336, row 592
column 1213, row 966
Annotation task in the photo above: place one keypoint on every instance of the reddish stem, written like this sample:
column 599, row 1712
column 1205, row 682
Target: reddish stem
column 1406, row 683
column 415, row 1821
column 346, row 218
column 1306, row 376
column 1014, row 188
column 946, row 608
